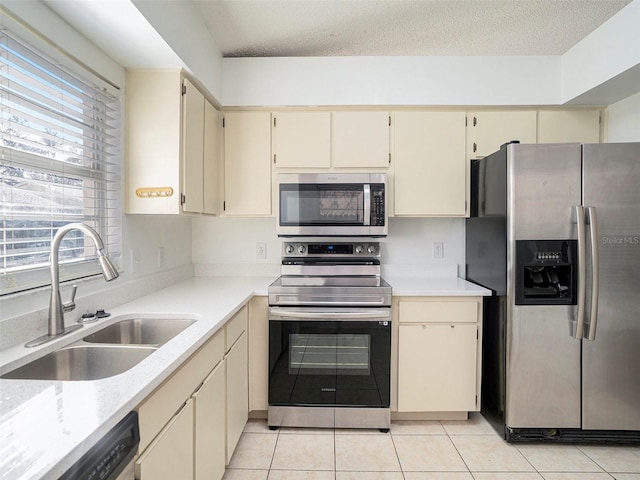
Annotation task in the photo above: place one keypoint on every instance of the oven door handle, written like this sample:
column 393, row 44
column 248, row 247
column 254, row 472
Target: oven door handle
column 292, row 314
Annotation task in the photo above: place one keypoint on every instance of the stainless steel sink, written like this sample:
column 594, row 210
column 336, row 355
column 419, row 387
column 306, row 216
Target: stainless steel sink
column 82, row 362
column 140, row 331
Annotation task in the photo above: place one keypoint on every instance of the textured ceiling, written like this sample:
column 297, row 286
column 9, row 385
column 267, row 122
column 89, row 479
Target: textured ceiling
column 265, row 28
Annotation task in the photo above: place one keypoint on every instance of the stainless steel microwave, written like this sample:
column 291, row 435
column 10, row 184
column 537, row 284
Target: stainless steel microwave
column 332, row 204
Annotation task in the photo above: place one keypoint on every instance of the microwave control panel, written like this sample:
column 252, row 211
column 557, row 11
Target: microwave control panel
column 377, row 204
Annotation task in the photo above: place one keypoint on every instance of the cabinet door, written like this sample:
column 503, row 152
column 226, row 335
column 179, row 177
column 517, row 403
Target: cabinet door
column 153, row 132
column 489, row 130
column 237, row 393
column 430, row 163
column 170, row 455
column 575, row 126
column 209, row 426
column 211, row 165
column 361, row 139
column 247, row 163
column 192, row 148
column 302, row 139
column 437, row 367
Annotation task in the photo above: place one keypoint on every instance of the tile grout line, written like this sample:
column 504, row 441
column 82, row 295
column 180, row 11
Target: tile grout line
column 397, row 454
column 457, row 451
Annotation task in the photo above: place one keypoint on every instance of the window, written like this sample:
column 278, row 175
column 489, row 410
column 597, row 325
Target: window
column 60, row 163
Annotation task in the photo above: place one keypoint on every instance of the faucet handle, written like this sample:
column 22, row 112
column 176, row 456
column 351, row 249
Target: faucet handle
column 70, row 305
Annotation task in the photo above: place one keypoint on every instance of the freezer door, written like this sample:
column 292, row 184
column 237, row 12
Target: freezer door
column 543, row 360
column 610, row 376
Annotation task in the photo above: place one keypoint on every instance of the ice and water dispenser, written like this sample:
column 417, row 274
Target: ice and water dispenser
column 546, row 272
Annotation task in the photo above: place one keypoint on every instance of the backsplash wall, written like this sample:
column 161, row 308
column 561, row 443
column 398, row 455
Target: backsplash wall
column 227, row 245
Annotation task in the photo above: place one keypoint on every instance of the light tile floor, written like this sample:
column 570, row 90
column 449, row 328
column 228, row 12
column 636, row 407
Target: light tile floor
column 447, row 450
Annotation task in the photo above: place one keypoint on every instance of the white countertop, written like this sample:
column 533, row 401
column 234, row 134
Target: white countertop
column 435, row 287
column 46, row 426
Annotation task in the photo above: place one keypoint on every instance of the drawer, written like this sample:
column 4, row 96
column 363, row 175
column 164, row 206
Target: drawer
column 161, row 405
column 458, row 311
column 236, row 326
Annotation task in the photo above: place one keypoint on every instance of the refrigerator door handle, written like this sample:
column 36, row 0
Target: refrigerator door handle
column 582, row 271
column 595, row 272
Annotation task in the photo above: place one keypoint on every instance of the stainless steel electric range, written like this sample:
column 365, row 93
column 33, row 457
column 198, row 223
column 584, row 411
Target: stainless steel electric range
column 330, row 337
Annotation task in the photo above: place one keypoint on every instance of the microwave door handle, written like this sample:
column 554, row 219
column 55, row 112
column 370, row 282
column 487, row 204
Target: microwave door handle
column 595, row 273
column 367, row 204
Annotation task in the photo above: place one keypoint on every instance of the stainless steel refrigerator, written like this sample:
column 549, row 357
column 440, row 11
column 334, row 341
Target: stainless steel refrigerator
column 554, row 231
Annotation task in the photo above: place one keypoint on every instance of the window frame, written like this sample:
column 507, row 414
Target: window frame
column 100, row 175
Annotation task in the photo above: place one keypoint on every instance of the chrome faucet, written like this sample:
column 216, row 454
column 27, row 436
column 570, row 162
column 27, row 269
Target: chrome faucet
column 56, row 306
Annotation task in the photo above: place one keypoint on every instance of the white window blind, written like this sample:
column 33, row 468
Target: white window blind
column 60, row 163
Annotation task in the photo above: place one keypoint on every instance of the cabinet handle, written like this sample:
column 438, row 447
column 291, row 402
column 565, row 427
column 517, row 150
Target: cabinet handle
column 475, row 147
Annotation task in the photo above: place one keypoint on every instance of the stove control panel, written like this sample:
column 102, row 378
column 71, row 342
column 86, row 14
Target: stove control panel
column 336, row 249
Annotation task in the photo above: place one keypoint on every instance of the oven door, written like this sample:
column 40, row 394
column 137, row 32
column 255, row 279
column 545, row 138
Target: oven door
column 329, row 356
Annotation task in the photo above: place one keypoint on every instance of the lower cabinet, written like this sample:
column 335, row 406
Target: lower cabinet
column 210, row 419
column 439, row 354
column 190, row 426
column 170, row 455
column 237, row 393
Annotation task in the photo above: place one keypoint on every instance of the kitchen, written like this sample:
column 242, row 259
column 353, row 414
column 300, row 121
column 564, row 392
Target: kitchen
column 198, row 240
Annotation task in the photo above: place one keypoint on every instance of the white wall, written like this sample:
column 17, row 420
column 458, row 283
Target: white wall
column 624, row 120
column 227, row 246
column 281, row 81
column 181, row 27
column 604, row 67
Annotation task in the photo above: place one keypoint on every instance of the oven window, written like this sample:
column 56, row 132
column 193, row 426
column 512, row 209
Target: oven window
column 308, row 205
column 324, row 354
column 329, row 363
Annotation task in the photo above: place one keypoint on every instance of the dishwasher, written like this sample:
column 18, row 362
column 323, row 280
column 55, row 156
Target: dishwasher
column 112, row 458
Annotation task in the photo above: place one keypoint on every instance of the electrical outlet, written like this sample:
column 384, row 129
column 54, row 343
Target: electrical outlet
column 261, row 250
column 160, row 257
column 438, row 250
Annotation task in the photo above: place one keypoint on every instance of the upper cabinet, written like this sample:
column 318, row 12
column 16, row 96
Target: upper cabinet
column 168, row 142
column 211, row 168
column 430, row 163
column 301, row 139
column 487, row 131
column 361, row 139
column 247, row 163
column 572, row 126
column 193, row 136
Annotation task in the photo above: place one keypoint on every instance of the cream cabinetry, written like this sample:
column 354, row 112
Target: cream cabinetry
column 430, row 163
column 237, row 387
column 212, row 197
column 258, row 354
column 166, row 135
column 237, row 393
column 301, row 139
column 487, row 131
column 193, row 153
column 209, row 426
column 439, row 354
column 569, row 126
column 200, row 410
column 361, row 139
column 247, row 163
column 170, row 455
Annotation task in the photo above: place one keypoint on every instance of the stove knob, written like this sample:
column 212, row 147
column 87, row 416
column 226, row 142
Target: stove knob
column 372, row 249
column 359, row 249
column 302, row 249
column 288, row 249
